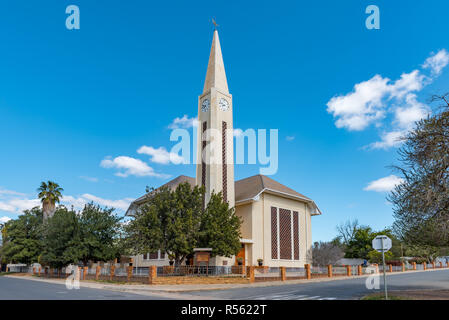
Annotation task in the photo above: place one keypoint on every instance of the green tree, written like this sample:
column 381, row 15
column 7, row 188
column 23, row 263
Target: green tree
column 62, row 239
column 50, row 193
column 98, row 233
column 220, row 228
column 357, row 241
column 175, row 222
column 22, row 238
column 169, row 221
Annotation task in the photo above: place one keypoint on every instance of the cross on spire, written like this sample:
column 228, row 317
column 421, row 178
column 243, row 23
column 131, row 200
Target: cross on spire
column 215, row 24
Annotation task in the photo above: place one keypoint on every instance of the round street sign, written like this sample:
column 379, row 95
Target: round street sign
column 382, row 243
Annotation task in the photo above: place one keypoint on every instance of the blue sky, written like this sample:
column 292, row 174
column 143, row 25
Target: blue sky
column 70, row 99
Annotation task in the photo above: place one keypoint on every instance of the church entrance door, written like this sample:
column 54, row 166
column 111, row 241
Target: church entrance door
column 240, row 256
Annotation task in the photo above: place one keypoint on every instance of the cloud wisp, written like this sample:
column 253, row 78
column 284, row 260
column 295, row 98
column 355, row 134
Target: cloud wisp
column 128, row 166
column 385, row 184
column 373, row 101
column 16, row 205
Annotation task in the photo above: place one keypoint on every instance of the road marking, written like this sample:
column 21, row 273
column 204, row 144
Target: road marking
column 290, row 297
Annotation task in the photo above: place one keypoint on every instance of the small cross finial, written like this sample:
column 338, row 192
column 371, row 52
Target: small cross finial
column 214, row 23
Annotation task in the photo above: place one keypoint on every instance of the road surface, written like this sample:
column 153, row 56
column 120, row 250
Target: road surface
column 336, row 290
column 21, row 289
column 16, row 288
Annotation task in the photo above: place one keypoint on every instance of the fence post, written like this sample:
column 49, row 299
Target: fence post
column 112, row 272
column 348, row 271
column 424, row 265
column 152, row 274
column 45, row 272
column 97, row 272
column 308, row 273
column 282, row 273
column 403, row 267
column 329, row 271
column 86, row 270
column 39, row 272
column 433, row 264
column 441, row 264
column 391, row 267
column 34, row 271
column 359, row 270
column 377, row 267
column 130, row 273
column 414, row 265
column 250, row 273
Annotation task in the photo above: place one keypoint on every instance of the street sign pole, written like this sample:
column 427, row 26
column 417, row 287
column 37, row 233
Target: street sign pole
column 383, row 261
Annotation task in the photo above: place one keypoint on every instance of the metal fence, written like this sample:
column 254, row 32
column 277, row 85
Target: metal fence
column 296, row 273
column 267, row 274
column 201, row 271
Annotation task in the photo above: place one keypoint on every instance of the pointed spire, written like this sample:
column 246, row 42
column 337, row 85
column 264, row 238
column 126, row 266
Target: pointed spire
column 216, row 75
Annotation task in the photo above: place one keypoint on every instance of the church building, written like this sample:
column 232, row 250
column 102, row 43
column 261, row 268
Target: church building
column 276, row 219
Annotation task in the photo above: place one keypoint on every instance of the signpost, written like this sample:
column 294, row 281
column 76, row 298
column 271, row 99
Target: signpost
column 383, row 243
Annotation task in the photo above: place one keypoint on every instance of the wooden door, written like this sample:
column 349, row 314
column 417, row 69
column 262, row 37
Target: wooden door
column 241, row 254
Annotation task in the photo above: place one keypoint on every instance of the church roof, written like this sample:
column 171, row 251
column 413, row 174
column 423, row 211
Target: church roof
column 216, row 75
column 246, row 190
column 249, row 188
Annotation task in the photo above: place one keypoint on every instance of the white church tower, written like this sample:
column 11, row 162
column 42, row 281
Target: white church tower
column 215, row 166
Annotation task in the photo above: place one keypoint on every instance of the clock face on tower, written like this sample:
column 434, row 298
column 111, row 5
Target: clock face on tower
column 205, row 105
column 223, row 104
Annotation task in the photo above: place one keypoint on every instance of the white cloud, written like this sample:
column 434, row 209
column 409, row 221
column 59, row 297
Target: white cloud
column 10, row 193
column 404, row 119
column 185, row 122
column 356, row 110
column 389, row 140
column 412, row 112
column 161, row 155
column 384, row 184
column 4, row 219
column 290, row 138
column 131, row 166
column 373, row 100
column 90, row 179
column 437, row 62
column 79, row 202
column 121, row 204
column 18, row 205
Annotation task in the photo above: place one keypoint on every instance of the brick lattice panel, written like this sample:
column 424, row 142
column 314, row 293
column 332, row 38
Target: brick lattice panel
column 203, row 164
column 296, row 234
column 274, row 233
column 285, row 234
column 225, row 167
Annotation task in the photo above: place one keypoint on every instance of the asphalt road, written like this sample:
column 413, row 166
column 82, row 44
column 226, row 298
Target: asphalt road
column 336, row 290
column 21, row 289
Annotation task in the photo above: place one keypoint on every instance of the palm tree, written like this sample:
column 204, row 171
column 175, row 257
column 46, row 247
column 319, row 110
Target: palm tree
column 50, row 194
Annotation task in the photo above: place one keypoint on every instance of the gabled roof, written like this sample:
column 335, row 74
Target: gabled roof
column 246, row 190
column 249, row 188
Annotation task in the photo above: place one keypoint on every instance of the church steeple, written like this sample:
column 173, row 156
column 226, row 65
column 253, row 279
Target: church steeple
column 215, row 165
column 216, row 75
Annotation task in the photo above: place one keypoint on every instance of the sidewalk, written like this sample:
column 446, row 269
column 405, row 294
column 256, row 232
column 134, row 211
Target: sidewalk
column 171, row 289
